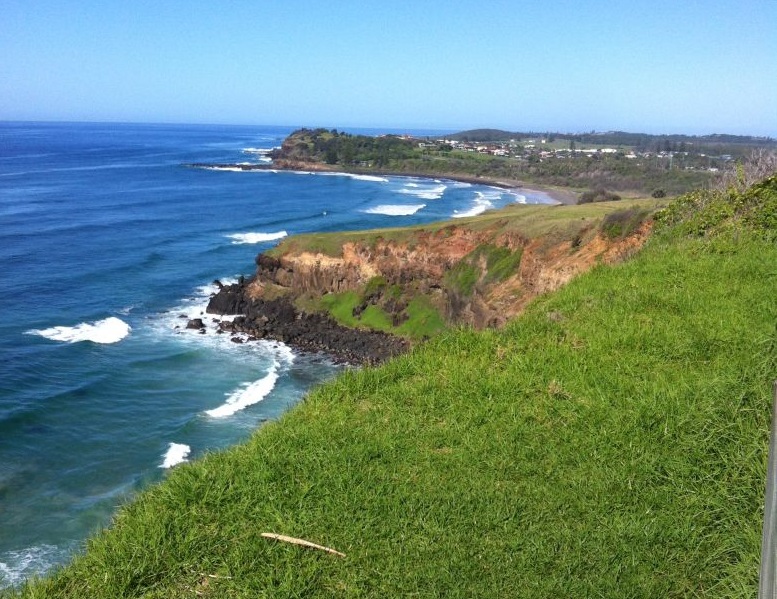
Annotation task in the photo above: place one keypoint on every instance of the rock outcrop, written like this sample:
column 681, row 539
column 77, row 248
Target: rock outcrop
column 280, row 320
column 477, row 277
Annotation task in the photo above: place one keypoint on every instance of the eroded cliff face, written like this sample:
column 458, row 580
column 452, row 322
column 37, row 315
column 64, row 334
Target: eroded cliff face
column 449, row 266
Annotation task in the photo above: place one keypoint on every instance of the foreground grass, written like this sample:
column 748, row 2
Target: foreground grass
column 611, row 442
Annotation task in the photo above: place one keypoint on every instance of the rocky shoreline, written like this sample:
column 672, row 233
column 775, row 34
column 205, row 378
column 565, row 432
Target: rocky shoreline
column 278, row 319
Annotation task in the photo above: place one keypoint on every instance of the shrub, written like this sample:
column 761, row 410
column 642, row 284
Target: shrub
column 462, row 278
column 598, row 195
column 622, row 223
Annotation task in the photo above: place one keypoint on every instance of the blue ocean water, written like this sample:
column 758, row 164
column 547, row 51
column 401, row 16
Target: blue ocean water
column 107, row 245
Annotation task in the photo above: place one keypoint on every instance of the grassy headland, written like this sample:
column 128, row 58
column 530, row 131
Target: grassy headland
column 424, row 278
column 610, row 442
column 567, row 165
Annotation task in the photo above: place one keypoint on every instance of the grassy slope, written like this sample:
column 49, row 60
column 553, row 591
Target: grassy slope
column 423, row 317
column 610, row 442
column 531, row 221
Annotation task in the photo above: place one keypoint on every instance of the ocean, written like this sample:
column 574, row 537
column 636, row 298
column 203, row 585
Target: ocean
column 108, row 245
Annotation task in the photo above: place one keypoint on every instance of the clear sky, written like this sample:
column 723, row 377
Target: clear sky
column 656, row 66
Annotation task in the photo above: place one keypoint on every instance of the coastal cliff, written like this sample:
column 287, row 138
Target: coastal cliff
column 364, row 297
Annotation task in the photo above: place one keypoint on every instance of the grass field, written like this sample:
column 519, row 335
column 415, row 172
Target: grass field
column 529, row 220
column 610, row 442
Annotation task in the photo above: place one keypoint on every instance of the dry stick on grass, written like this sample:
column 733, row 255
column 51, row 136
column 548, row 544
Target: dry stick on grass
column 302, row 542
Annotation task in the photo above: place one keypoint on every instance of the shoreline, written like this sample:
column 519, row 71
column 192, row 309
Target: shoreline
column 561, row 196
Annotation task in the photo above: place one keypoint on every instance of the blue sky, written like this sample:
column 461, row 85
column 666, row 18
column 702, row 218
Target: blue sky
column 655, row 66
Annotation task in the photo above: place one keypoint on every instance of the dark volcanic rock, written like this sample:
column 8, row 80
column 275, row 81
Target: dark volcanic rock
column 195, row 323
column 278, row 319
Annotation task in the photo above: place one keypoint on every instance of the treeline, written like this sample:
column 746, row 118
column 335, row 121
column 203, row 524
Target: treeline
column 334, row 147
column 735, row 145
column 391, row 153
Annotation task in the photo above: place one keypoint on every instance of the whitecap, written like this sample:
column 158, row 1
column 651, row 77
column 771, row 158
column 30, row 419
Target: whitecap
column 247, row 395
column 260, row 151
column 480, row 205
column 424, row 192
column 17, row 565
column 176, row 454
column 231, row 169
column 373, row 178
column 109, row 330
column 261, row 154
column 395, row 209
column 251, row 238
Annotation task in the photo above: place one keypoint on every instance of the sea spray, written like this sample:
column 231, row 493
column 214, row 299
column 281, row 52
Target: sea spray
column 109, row 330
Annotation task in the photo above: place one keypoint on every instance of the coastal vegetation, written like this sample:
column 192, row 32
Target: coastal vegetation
column 598, row 163
column 609, row 442
column 415, row 281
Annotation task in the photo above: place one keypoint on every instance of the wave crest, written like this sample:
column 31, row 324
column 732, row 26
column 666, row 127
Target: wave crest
column 251, row 238
column 177, row 453
column 109, row 330
column 247, row 395
column 17, row 565
column 424, row 192
column 395, row 209
column 483, row 201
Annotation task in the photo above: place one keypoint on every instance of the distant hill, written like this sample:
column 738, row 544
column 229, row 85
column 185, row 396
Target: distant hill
column 719, row 143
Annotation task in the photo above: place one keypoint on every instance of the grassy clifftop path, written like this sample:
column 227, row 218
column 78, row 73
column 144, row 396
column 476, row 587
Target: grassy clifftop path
column 609, row 442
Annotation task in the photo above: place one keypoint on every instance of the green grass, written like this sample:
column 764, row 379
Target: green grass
column 622, row 223
column 610, row 442
column 528, row 220
column 374, row 317
column 341, row 305
column 423, row 320
column 462, row 278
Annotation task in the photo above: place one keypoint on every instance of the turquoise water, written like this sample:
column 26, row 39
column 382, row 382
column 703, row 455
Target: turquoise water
column 107, row 245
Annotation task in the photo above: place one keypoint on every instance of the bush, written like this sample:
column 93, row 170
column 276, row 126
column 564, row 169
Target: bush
column 598, row 195
column 622, row 223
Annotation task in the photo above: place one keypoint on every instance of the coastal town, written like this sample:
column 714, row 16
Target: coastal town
column 539, row 149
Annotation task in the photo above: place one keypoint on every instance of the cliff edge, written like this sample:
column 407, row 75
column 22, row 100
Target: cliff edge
column 364, row 297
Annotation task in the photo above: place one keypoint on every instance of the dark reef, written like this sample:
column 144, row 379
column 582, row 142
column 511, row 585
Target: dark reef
column 279, row 320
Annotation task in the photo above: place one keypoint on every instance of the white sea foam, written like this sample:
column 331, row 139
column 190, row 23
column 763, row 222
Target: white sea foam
column 176, row 454
column 231, row 169
column 251, row 238
column 17, row 565
column 395, row 209
column 109, row 330
column 247, row 395
column 260, row 151
column 195, row 306
column 424, row 192
column 261, row 154
column 483, row 201
column 462, row 184
column 176, row 319
column 374, row 178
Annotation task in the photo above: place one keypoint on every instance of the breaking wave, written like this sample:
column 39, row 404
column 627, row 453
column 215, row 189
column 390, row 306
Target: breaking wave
column 16, row 566
column 483, row 201
column 109, row 330
column 424, row 192
column 251, row 238
column 247, row 395
column 176, row 454
column 395, row 209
